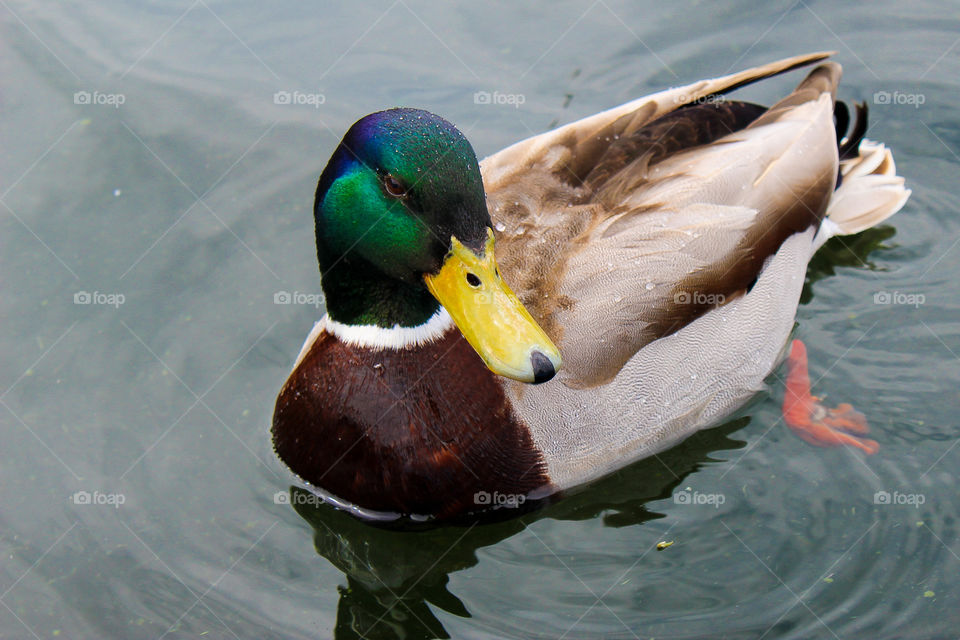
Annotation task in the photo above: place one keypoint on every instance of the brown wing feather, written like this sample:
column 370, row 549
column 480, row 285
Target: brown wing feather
column 621, row 232
column 622, row 166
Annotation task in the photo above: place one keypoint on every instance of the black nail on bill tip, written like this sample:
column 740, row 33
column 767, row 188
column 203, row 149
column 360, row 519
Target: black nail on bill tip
column 542, row 367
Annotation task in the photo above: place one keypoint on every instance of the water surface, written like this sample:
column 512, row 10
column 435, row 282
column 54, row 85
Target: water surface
column 190, row 197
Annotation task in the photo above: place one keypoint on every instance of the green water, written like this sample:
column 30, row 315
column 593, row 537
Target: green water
column 185, row 206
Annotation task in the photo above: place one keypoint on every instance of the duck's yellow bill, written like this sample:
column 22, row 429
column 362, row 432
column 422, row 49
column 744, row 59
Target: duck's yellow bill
column 491, row 317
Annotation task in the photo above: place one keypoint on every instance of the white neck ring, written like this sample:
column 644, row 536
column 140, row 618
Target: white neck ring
column 373, row 337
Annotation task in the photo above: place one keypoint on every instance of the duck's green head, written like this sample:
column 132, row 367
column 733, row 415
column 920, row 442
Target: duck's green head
column 402, row 227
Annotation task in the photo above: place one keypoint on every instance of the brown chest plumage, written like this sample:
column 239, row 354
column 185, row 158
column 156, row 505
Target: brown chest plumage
column 422, row 430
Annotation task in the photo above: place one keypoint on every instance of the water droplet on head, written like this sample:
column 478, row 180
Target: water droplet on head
column 650, row 286
column 500, row 226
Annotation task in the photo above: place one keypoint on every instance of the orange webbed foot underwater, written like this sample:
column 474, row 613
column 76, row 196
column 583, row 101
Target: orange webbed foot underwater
column 810, row 420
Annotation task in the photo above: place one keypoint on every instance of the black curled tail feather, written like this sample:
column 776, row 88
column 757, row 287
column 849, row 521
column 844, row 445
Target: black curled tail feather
column 850, row 147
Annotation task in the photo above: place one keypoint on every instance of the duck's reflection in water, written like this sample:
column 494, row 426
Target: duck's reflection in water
column 393, row 576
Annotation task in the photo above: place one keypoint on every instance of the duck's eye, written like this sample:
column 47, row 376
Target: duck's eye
column 393, row 187
column 473, row 280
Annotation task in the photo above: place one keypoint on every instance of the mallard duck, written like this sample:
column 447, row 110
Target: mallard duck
column 651, row 259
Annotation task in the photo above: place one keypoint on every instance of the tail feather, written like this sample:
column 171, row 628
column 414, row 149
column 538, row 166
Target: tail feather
column 870, row 192
column 850, row 145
